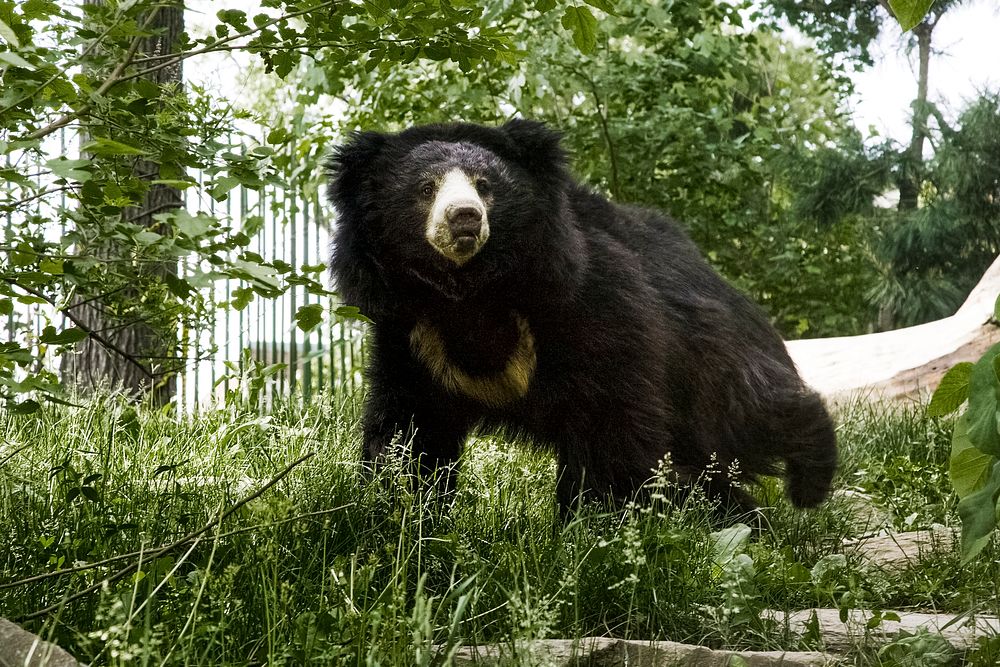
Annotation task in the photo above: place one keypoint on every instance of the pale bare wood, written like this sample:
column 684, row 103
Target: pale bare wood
column 905, row 362
column 960, row 630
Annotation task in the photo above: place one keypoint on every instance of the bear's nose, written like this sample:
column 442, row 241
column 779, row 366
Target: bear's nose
column 464, row 220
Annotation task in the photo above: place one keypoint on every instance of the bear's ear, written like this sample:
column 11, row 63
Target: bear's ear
column 350, row 166
column 536, row 146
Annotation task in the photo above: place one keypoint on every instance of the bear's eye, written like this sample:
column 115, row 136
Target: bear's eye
column 427, row 188
column 483, row 186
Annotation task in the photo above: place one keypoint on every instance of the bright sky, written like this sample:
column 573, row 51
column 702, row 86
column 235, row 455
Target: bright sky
column 966, row 59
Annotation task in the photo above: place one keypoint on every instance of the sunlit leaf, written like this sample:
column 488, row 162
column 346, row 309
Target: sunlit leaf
column 105, row 146
column 15, row 60
column 308, row 317
column 581, row 22
column 910, row 13
column 968, row 468
column 979, row 516
column 952, row 391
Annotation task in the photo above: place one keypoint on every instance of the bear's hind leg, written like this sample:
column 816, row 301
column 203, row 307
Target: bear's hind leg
column 809, row 447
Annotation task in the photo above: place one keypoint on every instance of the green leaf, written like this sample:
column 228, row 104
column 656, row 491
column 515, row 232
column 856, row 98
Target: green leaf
column 979, row 516
column 581, row 22
column 15, row 60
column 278, row 135
column 308, row 317
column 729, row 542
column 968, row 467
column 105, row 146
column 312, row 268
column 25, row 407
column 351, row 313
column 952, row 391
column 996, row 309
column 192, row 226
column 545, row 5
column 53, row 265
column 71, row 170
column 178, row 286
column 23, row 255
column 242, row 296
column 65, row 337
column 220, row 189
column 252, row 224
column 983, row 404
column 605, row 6
column 910, row 13
column 256, row 272
column 9, row 35
column 146, row 238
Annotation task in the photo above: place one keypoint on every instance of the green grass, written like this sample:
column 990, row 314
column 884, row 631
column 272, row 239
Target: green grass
column 325, row 568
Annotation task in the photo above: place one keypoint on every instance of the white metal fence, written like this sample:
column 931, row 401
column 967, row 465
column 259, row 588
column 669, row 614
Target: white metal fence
column 295, row 228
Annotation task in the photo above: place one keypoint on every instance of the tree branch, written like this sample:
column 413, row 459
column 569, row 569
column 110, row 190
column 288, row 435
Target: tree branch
column 170, row 59
column 114, row 78
column 104, row 342
column 605, row 130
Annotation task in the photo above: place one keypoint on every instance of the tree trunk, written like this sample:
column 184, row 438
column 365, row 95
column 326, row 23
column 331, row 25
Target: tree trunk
column 145, row 359
column 912, row 166
column 912, row 162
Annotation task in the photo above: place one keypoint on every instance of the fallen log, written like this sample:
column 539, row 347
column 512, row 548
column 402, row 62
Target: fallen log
column 905, row 362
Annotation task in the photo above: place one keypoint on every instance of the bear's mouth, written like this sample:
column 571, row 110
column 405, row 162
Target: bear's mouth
column 465, row 244
column 459, row 246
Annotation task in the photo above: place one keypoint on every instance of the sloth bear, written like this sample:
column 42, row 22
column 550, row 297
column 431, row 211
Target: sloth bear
column 504, row 294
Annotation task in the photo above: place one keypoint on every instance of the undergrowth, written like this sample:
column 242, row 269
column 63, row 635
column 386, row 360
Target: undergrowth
column 327, row 566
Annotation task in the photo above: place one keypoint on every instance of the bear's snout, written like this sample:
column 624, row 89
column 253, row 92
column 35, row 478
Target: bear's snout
column 464, row 219
column 457, row 226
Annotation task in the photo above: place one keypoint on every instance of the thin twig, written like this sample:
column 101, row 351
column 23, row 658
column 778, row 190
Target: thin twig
column 112, row 79
column 38, row 195
column 153, row 555
column 169, row 60
column 96, row 298
column 246, row 33
column 104, row 342
column 64, row 69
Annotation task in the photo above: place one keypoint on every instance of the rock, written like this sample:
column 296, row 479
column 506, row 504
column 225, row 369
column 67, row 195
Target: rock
column 862, row 509
column 837, row 636
column 897, row 551
column 606, row 652
column 20, row 648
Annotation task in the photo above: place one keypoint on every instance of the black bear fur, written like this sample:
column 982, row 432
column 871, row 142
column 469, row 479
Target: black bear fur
column 640, row 349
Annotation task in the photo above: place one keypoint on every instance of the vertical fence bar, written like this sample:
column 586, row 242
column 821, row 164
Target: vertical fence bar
column 291, row 209
column 319, row 299
column 306, row 339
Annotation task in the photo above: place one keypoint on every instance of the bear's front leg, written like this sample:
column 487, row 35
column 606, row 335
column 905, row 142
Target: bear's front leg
column 404, row 409
column 430, row 441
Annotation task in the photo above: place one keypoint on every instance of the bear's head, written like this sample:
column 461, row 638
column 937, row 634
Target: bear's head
column 453, row 206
